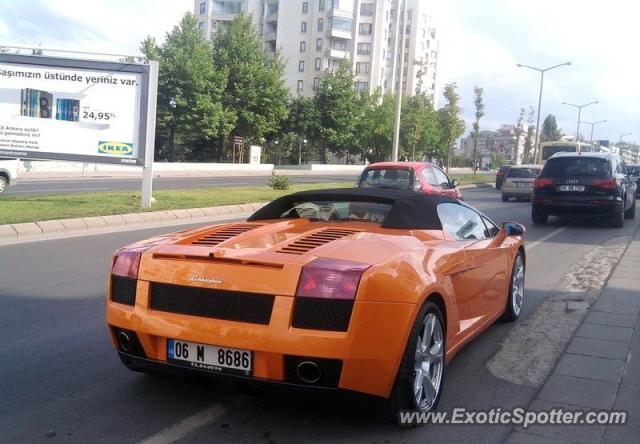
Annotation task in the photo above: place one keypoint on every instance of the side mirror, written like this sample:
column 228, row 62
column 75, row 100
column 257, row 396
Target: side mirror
column 455, row 183
column 513, row 229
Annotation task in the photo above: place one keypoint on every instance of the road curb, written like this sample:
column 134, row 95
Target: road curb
column 31, row 231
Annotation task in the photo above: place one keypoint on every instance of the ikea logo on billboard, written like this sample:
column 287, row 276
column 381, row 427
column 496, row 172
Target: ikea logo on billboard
column 115, row 148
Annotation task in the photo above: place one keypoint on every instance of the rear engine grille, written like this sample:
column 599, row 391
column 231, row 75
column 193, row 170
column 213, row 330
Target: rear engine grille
column 224, row 234
column 315, row 240
column 123, row 290
column 322, row 314
column 254, row 308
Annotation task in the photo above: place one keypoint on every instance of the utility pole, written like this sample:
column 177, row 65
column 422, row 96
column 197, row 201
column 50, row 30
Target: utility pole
column 400, row 33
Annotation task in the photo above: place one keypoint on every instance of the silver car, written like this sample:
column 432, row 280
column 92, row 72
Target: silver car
column 518, row 182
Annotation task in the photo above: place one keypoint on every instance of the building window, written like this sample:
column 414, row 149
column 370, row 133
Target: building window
column 364, row 48
column 272, row 8
column 201, row 25
column 320, row 5
column 301, row 66
column 362, row 86
column 316, row 82
column 305, row 7
column 366, row 28
column 362, row 68
column 300, row 86
column 303, row 46
column 320, row 25
column 203, row 7
column 318, row 44
column 341, row 24
column 408, row 30
column 228, row 7
column 367, row 9
column 303, row 27
column 340, row 44
column 318, row 64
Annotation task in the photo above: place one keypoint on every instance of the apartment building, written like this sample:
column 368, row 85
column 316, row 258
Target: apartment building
column 316, row 35
column 503, row 142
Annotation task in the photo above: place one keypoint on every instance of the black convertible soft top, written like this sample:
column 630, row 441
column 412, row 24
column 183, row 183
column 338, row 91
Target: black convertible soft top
column 409, row 209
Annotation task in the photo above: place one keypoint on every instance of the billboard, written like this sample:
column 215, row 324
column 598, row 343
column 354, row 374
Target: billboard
column 77, row 110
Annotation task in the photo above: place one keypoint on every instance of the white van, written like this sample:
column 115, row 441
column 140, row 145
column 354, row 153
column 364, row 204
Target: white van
column 8, row 173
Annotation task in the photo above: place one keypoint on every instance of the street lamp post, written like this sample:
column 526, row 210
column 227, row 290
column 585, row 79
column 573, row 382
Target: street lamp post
column 579, row 111
column 620, row 142
column 400, row 36
column 541, row 71
column 592, row 125
column 300, row 142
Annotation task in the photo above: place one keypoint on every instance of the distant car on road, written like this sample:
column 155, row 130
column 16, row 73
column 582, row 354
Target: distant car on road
column 417, row 176
column 500, row 175
column 8, row 173
column 634, row 172
column 584, row 184
column 518, row 181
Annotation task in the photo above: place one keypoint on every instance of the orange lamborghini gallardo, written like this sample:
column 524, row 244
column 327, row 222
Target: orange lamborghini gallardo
column 365, row 290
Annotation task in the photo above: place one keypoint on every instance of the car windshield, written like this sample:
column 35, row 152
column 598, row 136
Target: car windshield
column 386, row 178
column 576, row 166
column 338, row 211
column 523, row 173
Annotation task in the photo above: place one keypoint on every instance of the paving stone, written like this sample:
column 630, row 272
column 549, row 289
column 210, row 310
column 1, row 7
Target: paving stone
column 224, row 209
column 27, row 229
column 74, row 225
column 599, row 348
column 235, row 209
column 8, row 232
column 526, row 438
column 166, row 215
column 614, row 301
column 576, row 433
column 114, row 220
column 601, row 369
column 579, row 392
column 211, row 211
column 151, row 216
column 95, row 222
column 133, row 218
column 631, row 284
column 51, row 227
column 182, row 214
column 631, row 261
column 247, row 208
column 612, row 319
column 196, row 212
column 622, row 334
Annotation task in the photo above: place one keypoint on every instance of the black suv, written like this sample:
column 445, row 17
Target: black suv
column 584, row 184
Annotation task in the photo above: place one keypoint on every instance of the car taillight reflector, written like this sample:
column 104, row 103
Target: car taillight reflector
column 608, row 184
column 126, row 262
column 540, row 182
column 330, row 279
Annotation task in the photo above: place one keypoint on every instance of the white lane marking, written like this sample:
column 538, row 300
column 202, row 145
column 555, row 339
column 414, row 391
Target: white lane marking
column 545, row 238
column 184, row 427
column 54, row 190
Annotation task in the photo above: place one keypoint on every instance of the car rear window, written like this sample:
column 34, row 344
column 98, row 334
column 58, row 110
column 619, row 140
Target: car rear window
column 386, row 178
column 523, row 172
column 576, row 166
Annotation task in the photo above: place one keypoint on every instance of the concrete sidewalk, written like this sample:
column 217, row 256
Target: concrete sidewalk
column 600, row 368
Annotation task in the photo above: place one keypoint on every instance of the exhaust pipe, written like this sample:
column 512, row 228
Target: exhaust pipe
column 309, row 372
column 125, row 341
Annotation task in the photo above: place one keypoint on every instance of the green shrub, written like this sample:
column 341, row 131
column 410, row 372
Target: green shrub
column 279, row 182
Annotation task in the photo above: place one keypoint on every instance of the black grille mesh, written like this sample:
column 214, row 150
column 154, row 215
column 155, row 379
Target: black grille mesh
column 322, row 314
column 123, row 290
column 210, row 303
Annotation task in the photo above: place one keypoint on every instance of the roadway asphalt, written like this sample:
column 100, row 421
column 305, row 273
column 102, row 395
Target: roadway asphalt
column 61, row 381
column 90, row 185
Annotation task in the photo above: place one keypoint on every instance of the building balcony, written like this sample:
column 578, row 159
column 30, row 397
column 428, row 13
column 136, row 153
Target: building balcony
column 272, row 17
column 270, row 36
column 340, row 13
column 336, row 53
column 340, row 34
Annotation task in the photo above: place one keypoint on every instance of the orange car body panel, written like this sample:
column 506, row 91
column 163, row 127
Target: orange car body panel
column 407, row 267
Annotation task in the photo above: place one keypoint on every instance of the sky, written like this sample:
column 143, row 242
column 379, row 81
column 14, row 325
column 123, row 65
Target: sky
column 481, row 41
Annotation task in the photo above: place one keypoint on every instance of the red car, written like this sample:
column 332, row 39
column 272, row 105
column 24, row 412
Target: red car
column 418, row 176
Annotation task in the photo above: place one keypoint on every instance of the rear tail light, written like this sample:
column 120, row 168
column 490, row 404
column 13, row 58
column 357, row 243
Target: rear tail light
column 126, row 262
column 541, row 182
column 330, row 279
column 607, row 184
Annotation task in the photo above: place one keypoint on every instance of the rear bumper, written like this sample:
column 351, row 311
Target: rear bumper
column 583, row 207
column 369, row 351
column 517, row 192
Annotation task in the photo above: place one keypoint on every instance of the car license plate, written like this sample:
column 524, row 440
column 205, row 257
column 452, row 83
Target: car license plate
column 521, row 184
column 209, row 357
column 571, row 188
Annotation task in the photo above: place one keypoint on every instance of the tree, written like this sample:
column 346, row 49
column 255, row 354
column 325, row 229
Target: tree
column 189, row 106
column 419, row 130
column 254, row 93
column 375, row 128
column 336, row 103
column 518, row 132
column 477, row 92
column 300, row 125
column 451, row 124
column 550, row 131
column 529, row 140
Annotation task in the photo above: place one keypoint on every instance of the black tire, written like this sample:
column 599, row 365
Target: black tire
column 631, row 212
column 512, row 312
column 505, row 198
column 402, row 396
column 616, row 220
column 538, row 216
column 3, row 184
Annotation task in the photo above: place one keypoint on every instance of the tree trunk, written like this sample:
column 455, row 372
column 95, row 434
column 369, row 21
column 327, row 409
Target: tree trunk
column 172, row 138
